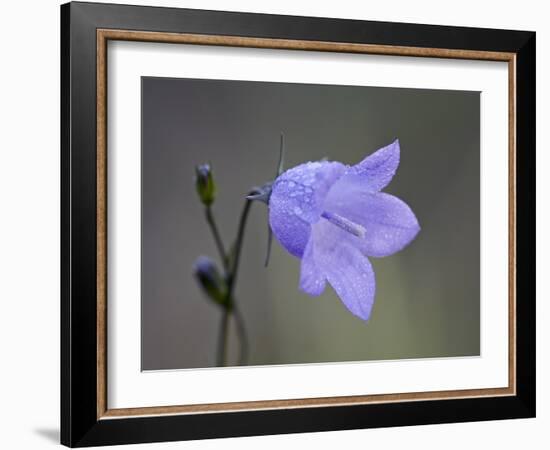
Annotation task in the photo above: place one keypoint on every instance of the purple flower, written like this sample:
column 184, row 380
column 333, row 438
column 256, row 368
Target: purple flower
column 333, row 216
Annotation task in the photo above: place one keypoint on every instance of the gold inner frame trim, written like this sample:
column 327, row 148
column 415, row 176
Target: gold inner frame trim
column 104, row 35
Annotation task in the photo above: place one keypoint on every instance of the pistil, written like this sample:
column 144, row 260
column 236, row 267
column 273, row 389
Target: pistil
column 345, row 224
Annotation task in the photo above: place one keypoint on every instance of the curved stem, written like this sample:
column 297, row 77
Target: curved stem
column 231, row 276
column 241, row 330
column 216, row 234
column 222, row 339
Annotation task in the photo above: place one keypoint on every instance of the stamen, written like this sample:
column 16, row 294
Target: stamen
column 345, row 224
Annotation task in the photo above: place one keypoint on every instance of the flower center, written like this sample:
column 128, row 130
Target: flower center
column 345, row 224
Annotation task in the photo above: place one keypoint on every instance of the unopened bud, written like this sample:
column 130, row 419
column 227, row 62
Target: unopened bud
column 209, row 278
column 204, row 183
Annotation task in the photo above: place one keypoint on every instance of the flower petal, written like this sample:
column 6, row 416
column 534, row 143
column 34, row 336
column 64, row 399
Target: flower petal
column 312, row 278
column 389, row 223
column 379, row 168
column 297, row 199
column 347, row 270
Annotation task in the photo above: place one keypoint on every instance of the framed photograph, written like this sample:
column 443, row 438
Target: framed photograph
column 276, row 224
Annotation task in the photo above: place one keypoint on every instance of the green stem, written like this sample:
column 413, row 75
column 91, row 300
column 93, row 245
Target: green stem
column 223, row 338
column 243, row 338
column 216, row 234
column 231, row 276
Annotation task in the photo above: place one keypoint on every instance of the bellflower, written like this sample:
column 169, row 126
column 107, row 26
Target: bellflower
column 333, row 216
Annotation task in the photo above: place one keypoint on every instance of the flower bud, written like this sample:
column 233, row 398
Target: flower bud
column 204, row 183
column 210, row 280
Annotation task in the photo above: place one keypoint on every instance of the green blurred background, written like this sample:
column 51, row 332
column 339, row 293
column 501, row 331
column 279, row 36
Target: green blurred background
column 427, row 298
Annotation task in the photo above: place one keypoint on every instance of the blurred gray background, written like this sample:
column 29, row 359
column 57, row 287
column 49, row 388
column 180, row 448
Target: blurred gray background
column 427, row 297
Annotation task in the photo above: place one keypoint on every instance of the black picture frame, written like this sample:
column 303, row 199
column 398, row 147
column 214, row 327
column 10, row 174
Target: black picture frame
column 80, row 425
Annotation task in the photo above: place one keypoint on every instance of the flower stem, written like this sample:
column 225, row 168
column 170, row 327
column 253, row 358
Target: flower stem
column 223, row 338
column 238, row 245
column 243, row 338
column 230, row 307
column 216, row 235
